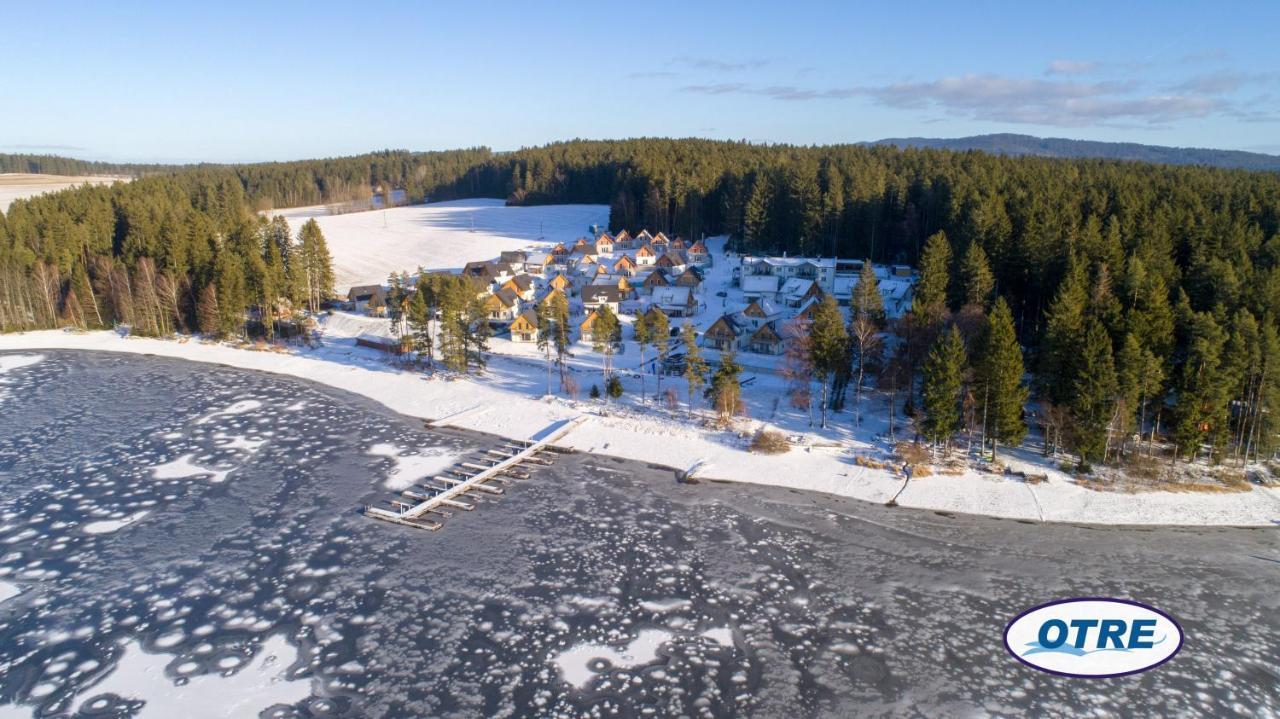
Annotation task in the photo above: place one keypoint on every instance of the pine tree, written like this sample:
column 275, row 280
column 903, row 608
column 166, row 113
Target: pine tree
column 1201, row 412
column 560, row 332
column 929, row 301
column 695, row 368
column 660, row 336
column 977, row 283
column 420, row 316
column 943, row 376
column 545, row 337
column 999, row 378
column 605, row 333
column 640, row 328
column 1064, row 334
column 232, row 292
column 316, row 270
column 725, row 391
column 210, row 317
column 828, row 346
column 1139, row 378
column 867, row 301
column 1093, row 395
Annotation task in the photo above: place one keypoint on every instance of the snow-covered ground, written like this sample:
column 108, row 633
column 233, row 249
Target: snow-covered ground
column 17, row 186
column 368, row 246
column 510, row 402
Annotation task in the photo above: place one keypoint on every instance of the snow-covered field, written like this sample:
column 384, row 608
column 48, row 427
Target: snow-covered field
column 16, row 186
column 511, row 404
column 367, row 246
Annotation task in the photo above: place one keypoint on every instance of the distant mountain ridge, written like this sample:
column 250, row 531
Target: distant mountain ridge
column 1014, row 144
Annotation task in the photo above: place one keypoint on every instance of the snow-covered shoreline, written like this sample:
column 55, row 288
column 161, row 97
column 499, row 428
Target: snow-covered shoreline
column 489, row 407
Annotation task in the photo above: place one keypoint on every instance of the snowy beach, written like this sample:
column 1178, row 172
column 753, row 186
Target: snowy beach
column 508, row 402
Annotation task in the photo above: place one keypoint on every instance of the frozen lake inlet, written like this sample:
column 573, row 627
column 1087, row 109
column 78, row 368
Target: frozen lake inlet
column 172, row 530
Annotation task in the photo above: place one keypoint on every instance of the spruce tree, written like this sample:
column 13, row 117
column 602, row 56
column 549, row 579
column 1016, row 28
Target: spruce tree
column 1093, row 395
column 640, row 328
column 659, row 329
column 828, row 346
column 867, row 301
column 1063, row 336
column 695, row 368
column 943, row 375
column 929, row 301
column 999, row 378
column 725, row 391
column 977, row 283
column 560, row 329
column 1202, row 391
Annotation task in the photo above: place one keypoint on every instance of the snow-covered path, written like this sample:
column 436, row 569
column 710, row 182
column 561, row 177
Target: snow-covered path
column 517, row 412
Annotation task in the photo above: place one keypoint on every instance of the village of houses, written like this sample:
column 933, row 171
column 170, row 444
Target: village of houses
column 735, row 302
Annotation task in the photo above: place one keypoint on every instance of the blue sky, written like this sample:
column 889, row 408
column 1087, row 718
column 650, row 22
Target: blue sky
column 246, row 81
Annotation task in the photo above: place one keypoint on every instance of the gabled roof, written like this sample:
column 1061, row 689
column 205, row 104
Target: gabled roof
column 522, row 283
column 480, row 270
column 545, row 299
column 527, row 320
column 646, row 251
column 672, row 296
column 657, row 278
column 504, row 296
column 622, row 236
column 672, row 259
column 726, row 326
column 624, row 261
column 360, row 293
column 766, row 333
column 761, row 309
column 605, row 293
column 559, row 249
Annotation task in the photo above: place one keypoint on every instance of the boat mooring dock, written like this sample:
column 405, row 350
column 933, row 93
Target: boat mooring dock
column 429, row 501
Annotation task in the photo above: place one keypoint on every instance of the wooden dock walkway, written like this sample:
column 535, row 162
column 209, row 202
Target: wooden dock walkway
column 420, row 506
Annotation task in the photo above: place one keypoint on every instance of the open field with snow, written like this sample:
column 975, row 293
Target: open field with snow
column 16, row 186
column 509, row 401
column 367, row 246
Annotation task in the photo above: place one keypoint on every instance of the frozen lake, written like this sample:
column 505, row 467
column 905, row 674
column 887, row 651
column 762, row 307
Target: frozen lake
column 184, row 539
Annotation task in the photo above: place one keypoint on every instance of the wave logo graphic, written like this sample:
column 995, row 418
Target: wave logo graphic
column 1093, row 637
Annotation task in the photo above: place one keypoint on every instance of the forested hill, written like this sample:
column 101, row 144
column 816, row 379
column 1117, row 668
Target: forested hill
column 1013, row 144
column 55, row 165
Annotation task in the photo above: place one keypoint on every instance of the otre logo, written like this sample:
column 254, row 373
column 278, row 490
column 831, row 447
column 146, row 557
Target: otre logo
column 1093, row 637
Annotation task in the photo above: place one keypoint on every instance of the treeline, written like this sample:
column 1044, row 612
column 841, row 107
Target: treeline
column 56, row 165
column 173, row 253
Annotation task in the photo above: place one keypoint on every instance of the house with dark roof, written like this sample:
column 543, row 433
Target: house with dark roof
column 522, row 285
column 596, row 296
column 765, row 341
column 371, row 299
column 725, row 333
column 524, row 328
column 501, row 306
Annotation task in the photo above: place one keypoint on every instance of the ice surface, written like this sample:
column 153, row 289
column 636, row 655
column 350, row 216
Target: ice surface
column 183, row 467
column 575, row 663
column 260, row 683
column 106, row 526
column 410, row 468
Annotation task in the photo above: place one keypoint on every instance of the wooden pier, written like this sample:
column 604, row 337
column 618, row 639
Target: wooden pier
column 430, row 500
